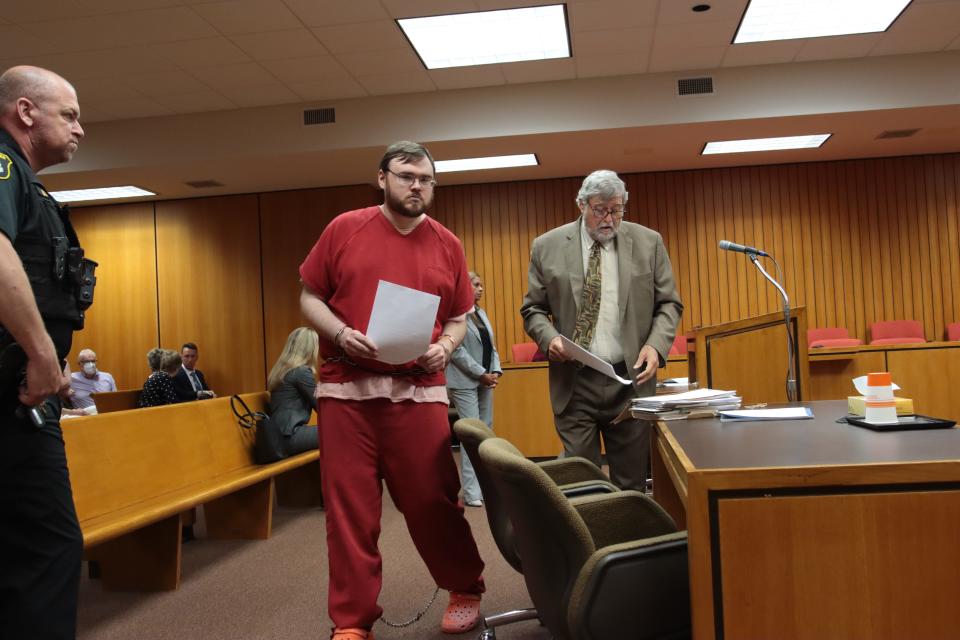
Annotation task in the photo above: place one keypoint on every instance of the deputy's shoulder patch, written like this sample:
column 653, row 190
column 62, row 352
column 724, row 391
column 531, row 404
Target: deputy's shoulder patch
column 6, row 166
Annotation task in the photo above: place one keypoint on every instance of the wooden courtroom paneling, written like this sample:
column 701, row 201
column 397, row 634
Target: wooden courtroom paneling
column 290, row 223
column 522, row 412
column 797, row 550
column 208, row 254
column 858, row 241
column 831, row 375
column 938, row 367
column 121, row 325
column 497, row 224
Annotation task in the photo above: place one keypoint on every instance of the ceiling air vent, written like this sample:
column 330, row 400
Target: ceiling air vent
column 203, row 184
column 897, row 133
column 324, row 115
column 694, row 86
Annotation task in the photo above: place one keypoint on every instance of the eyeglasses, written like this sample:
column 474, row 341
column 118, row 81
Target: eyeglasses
column 602, row 212
column 407, row 179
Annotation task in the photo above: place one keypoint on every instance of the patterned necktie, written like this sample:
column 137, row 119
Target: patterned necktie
column 589, row 301
column 196, row 381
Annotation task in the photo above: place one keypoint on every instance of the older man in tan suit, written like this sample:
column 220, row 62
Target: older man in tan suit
column 608, row 286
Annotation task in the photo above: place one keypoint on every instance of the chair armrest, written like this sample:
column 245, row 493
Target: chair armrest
column 588, row 487
column 637, row 589
column 624, row 516
column 570, row 470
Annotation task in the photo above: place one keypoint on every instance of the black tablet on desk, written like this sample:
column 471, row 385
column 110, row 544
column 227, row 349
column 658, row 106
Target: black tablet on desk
column 904, row 423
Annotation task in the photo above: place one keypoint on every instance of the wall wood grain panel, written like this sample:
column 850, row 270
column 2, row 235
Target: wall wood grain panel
column 858, row 241
column 121, row 325
column 209, row 289
column 290, row 223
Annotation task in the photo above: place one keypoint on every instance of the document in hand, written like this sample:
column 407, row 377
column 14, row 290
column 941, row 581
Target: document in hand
column 583, row 356
column 785, row 413
column 401, row 322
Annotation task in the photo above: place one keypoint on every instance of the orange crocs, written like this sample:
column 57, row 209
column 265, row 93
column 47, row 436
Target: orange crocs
column 462, row 614
column 351, row 634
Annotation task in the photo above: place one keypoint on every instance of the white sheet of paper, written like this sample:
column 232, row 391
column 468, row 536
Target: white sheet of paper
column 784, row 413
column 588, row 359
column 401, row 322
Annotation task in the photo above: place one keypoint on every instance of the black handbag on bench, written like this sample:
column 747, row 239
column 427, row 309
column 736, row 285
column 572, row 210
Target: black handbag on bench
column 268, row 441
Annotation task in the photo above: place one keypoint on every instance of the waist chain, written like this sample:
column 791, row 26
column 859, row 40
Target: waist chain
column 416, row 371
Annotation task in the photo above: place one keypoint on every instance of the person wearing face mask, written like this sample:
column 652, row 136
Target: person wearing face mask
column 89, row 380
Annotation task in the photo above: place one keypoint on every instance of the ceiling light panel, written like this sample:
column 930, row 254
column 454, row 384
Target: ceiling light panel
column 489, row 37
column 102, row 193
column 766, row 144
column 491, row 162
column 766, row 20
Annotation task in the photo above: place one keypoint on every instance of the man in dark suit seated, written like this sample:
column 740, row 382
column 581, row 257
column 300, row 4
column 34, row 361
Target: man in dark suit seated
column 189, row 382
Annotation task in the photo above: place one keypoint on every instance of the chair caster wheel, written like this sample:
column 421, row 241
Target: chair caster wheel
column 488, row 634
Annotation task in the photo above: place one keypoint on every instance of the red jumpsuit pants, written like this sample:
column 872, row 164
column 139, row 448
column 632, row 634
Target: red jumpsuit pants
column 407, row 445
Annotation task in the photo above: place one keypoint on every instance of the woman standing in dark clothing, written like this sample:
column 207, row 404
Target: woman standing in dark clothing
column 292, row 384
column 158, row 388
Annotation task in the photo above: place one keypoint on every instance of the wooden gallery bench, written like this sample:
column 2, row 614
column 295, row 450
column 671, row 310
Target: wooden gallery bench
column 110, row 401
column 135, row 472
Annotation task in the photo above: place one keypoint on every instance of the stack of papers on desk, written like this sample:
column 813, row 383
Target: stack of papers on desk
column 689, row 404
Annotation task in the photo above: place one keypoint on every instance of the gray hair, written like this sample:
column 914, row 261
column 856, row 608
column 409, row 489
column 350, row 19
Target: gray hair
column 603, row 183
column 86, row 352
column 153, row 358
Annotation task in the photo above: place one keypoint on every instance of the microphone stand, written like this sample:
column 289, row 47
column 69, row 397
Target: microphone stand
column 792, row 355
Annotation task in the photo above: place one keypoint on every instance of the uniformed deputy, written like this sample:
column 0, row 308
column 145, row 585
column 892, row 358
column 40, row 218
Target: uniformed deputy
column 44, row 287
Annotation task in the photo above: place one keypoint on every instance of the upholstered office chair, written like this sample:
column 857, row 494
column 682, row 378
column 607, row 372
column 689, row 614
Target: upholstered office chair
column 953, row 331
column 830, row 337
column 897, row 332
column 597, row 567
column 575, row 476
column 679, row 346
column 524, row 351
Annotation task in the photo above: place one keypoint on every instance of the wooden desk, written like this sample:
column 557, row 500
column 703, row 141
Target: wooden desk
column 813, row 529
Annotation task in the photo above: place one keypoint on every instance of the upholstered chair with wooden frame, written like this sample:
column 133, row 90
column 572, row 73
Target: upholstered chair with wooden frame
column 897, row 332
column 524, row 351
column 598, row 566
column 953, row 331
column 573, row 476
column 825, row 337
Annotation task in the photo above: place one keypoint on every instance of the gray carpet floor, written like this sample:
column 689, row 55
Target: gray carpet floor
column 277, row 589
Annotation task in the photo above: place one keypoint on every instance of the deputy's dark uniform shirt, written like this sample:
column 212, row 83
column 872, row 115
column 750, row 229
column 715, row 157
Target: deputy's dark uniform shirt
column 31, row 218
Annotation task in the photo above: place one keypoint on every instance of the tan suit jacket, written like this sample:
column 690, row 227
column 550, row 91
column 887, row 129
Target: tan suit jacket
column 650, row 306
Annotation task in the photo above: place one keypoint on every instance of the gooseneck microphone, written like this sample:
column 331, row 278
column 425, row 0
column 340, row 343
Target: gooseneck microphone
column 793, row 392
column 726, row 245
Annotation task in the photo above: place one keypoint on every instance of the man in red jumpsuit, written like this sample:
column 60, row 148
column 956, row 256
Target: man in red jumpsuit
column 381, row 422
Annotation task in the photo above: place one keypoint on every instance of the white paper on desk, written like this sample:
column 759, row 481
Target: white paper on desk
column 783, row 413
column 401, row 322
column 580, row 354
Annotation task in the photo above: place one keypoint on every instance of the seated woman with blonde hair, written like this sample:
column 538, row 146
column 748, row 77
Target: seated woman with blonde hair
column 292, row 384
